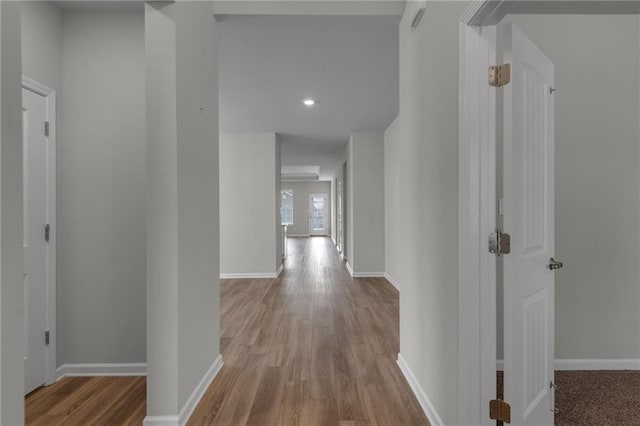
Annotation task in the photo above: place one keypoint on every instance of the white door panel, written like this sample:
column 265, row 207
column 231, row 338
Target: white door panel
column 35, row 250
column 529, row 218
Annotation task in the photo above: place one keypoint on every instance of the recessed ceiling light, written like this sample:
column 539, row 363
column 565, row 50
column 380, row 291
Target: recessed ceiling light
column 309, row 102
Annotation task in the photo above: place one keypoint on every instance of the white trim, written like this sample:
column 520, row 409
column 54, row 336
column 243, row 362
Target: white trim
column 588, row 364
column 199, row 391
column 476, row 221
column 248, row 275
column 192, row 402
column 597, row 364
column 51, row 191
column 392, row 281
column 107, row 369
column 349, row 268
column 431, row 413
column 279, row 271
column 484, row 12
column 298, row 235
column 367, row 274
column 161, row 421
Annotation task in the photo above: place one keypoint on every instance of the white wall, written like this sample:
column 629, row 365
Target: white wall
column 181, row 80
column 334, row 215
column 364, row 186
column 301, row 192
column 11, row 280
column 101, row 301
column 367, row 195
column 597, row 181
column 393, row 248
column 344, row 175
column 248, row 173
column 279, row 233
column 425, row 162
column 42, row 44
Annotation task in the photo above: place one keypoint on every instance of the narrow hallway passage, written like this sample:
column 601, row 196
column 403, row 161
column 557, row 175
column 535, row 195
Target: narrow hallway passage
column 313, row 347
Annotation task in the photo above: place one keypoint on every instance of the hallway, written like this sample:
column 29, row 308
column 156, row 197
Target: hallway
column 313, row 347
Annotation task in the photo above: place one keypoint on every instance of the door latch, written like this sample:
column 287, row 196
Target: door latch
column 555, row 264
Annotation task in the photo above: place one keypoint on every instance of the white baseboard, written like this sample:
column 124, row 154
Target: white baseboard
column 431, row 413
column 589, row 364
column 392, row 281
column 279, row 271
column 250, row 275
column 120, row 369
column 199, row 391
column 364, row 274
column 368, row 275
column 349, row 269
column 161, row 421
column 192, row 402
column 597, row 364
column 298, row 235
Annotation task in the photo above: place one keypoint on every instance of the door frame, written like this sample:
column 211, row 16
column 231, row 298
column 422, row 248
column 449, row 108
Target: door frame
column 326, row 210
column 50, row 97
column 477, row 130
column 339, row 218
column 345, row 211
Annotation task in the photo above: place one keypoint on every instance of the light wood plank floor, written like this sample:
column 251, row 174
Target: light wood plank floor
column 314, row 347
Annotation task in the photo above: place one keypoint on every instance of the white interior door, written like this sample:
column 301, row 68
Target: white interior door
column 35, row 250
column 529, row 218
column 318, row 214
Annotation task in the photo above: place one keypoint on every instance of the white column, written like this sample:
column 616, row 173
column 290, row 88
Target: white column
column 182, row 198
column 11, row 285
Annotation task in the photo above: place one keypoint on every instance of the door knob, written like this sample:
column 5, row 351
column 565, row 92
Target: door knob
column 554, row 264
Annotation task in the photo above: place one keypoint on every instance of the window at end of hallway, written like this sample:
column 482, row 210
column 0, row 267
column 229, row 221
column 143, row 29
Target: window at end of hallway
column 286, row 207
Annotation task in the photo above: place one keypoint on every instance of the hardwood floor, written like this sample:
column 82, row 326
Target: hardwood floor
column 88, row 401
column 313, row 347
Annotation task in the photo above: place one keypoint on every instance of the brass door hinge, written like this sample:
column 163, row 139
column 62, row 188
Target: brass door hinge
column 500, row 410
column 499, row 75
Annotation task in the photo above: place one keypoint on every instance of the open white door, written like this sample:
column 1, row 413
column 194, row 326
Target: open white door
column 529, row 218
column 36, row 232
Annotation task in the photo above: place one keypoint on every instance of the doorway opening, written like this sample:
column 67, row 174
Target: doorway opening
column 318, row 214
column 579, row 192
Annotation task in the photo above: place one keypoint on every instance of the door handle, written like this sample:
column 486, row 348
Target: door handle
column 555, row 264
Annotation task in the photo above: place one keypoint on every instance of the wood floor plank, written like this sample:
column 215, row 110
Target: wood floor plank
column 268, row 399
column 294, row 406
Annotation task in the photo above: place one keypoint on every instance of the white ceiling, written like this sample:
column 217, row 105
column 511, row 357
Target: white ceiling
column 268, row 64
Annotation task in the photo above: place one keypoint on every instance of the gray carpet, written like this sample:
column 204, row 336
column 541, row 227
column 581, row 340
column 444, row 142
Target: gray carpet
column 599, row 398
